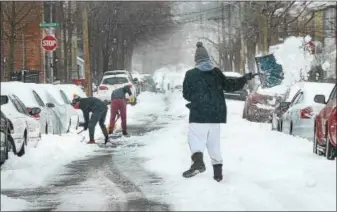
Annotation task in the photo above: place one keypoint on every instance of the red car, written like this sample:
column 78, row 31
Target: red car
column 326, row 126
column 261, row 103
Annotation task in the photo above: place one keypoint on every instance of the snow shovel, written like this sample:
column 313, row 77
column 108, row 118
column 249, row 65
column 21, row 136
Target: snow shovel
column 115, row 127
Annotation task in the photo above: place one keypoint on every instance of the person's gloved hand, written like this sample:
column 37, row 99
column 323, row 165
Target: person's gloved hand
column 248, row 76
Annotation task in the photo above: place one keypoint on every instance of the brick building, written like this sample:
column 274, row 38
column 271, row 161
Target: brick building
column 28, row 54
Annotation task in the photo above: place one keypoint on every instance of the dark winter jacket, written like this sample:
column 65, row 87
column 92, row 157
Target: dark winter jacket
column 91, row 104
column 205, row 92
column 119, row 93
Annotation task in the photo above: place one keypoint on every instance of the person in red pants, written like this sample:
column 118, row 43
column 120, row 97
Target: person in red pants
column 118, row 103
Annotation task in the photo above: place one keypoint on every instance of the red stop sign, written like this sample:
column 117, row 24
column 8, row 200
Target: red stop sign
column 49, row 43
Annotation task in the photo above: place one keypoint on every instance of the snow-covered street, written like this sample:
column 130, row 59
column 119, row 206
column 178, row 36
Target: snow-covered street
column 263, row 169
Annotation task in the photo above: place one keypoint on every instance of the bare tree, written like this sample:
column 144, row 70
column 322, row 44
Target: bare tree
column 16, row 17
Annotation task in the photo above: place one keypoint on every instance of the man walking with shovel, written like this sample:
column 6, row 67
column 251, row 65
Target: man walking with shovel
column 204, row 88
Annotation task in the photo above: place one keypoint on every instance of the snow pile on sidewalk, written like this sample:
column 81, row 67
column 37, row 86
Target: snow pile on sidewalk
column 11, row 204
column 42, row 163
column 263, row 169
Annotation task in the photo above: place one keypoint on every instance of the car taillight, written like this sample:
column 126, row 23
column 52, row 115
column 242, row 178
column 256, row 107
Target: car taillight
column 102, row 87
column 130, row 86
column 306, row 113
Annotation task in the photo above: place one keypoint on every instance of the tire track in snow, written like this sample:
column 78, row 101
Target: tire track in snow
column 84, row 180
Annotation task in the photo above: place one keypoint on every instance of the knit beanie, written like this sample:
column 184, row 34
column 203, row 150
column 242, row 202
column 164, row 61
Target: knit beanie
column 201, row 53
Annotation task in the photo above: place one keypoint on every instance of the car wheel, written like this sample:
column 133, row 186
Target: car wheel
column 314, row 149
column 291, row 128
column 4, row 154
column 244, row 113
column 78, row 123
column 11, row 145
column 22, row 150
column 69, row 126
column 329, row 149
column 46, row 130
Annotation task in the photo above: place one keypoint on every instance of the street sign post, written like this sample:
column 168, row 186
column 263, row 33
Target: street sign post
column 49, row 25
column 49, row 43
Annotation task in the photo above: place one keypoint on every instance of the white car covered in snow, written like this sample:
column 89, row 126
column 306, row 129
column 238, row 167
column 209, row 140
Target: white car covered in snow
column 111, row 82
column 68, row 116
column 70, row 90
column 31, row 99
column 24, row 127
column 300, row 117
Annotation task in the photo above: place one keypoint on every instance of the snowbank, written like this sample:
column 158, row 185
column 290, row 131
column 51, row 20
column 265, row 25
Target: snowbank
column 296, row 62
column 11, row 204
column 41, row 163
column 263, row 169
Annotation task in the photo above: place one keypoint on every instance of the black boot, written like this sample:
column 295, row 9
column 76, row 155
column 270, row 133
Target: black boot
column 217, row 172
column 197, row 167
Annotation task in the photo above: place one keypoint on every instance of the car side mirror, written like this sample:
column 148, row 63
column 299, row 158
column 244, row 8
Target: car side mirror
column 4, row 100
column 35, row 110
column 50, row 105
column 319, row 99
column 284, row 105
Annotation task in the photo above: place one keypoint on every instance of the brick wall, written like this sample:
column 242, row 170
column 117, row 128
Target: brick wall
column 28, row 53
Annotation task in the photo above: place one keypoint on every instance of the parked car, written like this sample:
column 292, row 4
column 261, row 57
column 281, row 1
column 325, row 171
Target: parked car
column 237, row 95
column 147, row 83
column 133, row 80
column 67, row 115
column 70, row 90
column 5, row 135
column 24, row 128
column 326, row 126
column 111, row 82
column 31, row 99
column 299, row 118
column 261, row 103
column 283, row 106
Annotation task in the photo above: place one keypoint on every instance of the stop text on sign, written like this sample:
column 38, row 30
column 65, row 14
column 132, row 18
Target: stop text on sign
column 49, row 43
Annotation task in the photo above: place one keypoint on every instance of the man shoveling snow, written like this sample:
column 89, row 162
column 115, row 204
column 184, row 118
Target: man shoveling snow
column 98, row 109
column 203, row 87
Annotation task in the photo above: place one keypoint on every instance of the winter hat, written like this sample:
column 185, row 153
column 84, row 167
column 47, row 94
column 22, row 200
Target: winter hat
column 201, row 53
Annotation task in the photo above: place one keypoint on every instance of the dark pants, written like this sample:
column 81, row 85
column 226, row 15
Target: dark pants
column 118, row 105
column 97, row 117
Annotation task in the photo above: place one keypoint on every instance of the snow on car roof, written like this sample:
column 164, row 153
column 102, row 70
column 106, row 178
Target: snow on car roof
column 232, row 74
column 310, row 89
column 71, row 89
column 21, row 90
column 273, row 91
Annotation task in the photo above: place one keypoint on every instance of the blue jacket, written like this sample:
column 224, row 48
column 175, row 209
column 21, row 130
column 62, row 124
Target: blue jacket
column 119, row 93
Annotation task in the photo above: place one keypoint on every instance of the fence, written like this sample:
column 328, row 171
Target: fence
column 25, row 76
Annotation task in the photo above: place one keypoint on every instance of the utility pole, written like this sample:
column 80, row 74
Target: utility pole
column 74, row 45
column 51, row 32
column 86, row 52
column 243, row 44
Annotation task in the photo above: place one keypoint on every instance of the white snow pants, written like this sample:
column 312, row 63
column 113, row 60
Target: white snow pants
column 201, row 135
